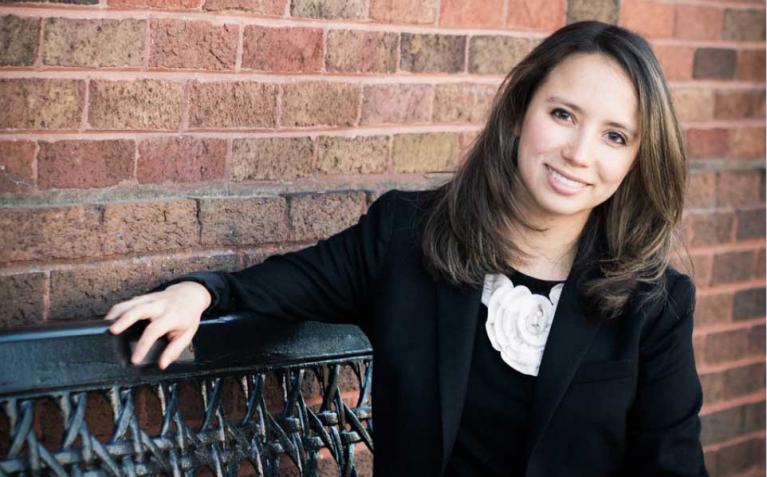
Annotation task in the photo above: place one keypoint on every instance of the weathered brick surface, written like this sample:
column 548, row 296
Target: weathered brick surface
column 739, row 104
column 732, row 383
column 471, row 13
column 352, row 155
column 346, row 9
column 729, row 423
column 31, row 103
column 84, row 164
column 746, row 143
column 19, row 38
column 165, row 4
column 714, row 63
column 676, row 61
column 193, row 45
column 243, row 221
column 272, row 158
column 283, row 49
column 232, row 104
column 496, row 55
column 759, row 265
column 361, row 51
column 709, row 143
column 137, row 104
column 739, row 458
column 732, row 267
column 751, row 65
column 435, row 53
column 709, row 228
column 140, row 227
column 697, row 23
column 396, row 104
column 602, row 10
column 404, row 11
column 317, row 216
column 649, row 19
column 80, row 42
column 537, row 14
column 429, row 152
column 21, row 299
column 732, row 345
column 740, row 188
column 258, row 7
column 693, row 104
column 17, row 168
column 701, row 190
column 180, row 159
column 751, row 224
column 320, row 104
column 711, row 309
column 743, row 25
column 748, row 304
column 462, row 103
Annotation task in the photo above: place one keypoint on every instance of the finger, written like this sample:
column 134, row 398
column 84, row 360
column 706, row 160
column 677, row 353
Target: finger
column 175, row 348
column 121, row 307
column 137, row 312
column 152, row 333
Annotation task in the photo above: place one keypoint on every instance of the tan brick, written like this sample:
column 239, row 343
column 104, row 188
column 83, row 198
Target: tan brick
column 160, row 4
column 701, row 190
column 432, row 53
column 243, row 221
column 81, row 42
column 428, row 152
column 193, row 45
column 743, row 25
column 649, row 19
column 712, row 309
column 710, row 228
column 181, row 159
column 739, row 104
column 471, row 13
column 138, row 227
column 709, row 143
column 361, row 51
column 274, row 8
column 345, row 9
column 21, row 299
column 497, row 55
column 19, row 37
column 740, row 188
column 697, row 23
column 603, row 10
column 85, row 164
column 536, row 14
column 746, row 143
column 396, row 104
column 17, row 166
column 317, row 216
column 271, row 158
column 137, row 104
column 462, row 103
column 750, row 65
column 693, row 104
column 404, row 11
column 31, row 103
column 676, row 61
column 232, row 104
column 320, row 104
column 353, row 155
column 284, row 49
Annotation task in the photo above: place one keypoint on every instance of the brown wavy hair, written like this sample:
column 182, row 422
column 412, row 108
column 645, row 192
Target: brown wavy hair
column 464, row 234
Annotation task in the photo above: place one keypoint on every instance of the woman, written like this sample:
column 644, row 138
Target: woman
column 523, row 316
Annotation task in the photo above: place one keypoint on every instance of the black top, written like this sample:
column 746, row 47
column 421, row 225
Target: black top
column 492, row 437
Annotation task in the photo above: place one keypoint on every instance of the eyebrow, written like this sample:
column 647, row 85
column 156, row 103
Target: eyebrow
column 577, row 109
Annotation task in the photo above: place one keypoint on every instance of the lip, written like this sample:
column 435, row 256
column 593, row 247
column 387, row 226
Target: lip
column 568, row 176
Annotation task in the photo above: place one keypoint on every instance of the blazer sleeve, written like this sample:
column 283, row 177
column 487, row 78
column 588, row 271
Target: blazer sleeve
column 663, row 425
column 327, row 282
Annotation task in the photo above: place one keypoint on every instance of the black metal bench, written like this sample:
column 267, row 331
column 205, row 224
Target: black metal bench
column 253, row 397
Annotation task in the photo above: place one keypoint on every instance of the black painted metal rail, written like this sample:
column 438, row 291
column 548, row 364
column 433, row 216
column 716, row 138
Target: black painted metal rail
column 251, row 397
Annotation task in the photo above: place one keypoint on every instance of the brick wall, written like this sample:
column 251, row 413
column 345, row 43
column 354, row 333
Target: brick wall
column 140, row 139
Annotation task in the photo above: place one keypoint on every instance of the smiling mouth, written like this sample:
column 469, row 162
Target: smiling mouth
column 567, row 181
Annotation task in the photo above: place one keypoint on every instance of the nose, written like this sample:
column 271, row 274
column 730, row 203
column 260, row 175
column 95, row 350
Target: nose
column 578, row 151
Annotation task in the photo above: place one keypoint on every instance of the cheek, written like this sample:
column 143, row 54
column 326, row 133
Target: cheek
column 614, row 170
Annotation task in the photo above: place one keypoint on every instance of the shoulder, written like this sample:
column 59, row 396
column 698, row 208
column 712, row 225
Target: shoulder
column 404, row 206
column 673, row 308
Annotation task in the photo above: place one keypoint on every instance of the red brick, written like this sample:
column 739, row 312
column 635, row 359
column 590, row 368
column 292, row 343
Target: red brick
column 345, row 9
column 759, row 265
column 243, row 221
column 693, row 104
column 751, row 224
column 403, row 11
column 729, row 423
column 536, row 14
column 282, row 49
column 697, row 23
column 702, row 269
column 427, row 152
column 271, row 158
column 729, row 346
column 739, row 104
column 751, row 65
column 497, row 55
column 397, row 104
column 708, row 143
column 432, row 53
column 21, row 299
column 739, row 458
column 732, row 267
column 602, row 10
column 709, row 228
column 676, row 61
column 85, row 164
column 17, row 166
column 317, row 216
column 701, row 190
column 275, row 8
column 361, row 51
column 19, row 37
column 139, row 227
column 76, row 42
column 649, row 19
column 743, row 25
column 195, row 45
column 136, row 104
column 749, row 304
column 232, row 104
column 739, row 188
column 714, row 63
column 712, row 309
column 732, row 383
column 471, row 13
column 164, row 4
column 31, row 103
column 352, row 155
column 320, row 104
column 463, row 103
column 180, row 159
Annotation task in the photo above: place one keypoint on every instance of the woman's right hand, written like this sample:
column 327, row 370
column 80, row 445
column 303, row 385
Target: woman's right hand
column 174, row 312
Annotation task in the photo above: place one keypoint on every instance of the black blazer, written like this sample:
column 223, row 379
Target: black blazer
column 620, row 398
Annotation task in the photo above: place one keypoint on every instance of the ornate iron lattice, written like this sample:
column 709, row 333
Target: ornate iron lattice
column 271, row 409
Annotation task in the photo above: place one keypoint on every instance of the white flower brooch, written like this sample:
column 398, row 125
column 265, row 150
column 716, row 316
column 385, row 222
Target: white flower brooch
column 518, row 321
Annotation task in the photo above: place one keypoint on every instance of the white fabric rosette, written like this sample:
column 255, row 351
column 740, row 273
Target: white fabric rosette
column 518, row 321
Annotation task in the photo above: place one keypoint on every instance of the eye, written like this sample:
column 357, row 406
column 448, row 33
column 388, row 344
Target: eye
column 560, row 113
column 617, row 138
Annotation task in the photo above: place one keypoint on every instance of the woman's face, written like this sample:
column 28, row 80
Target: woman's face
column 579, row 137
